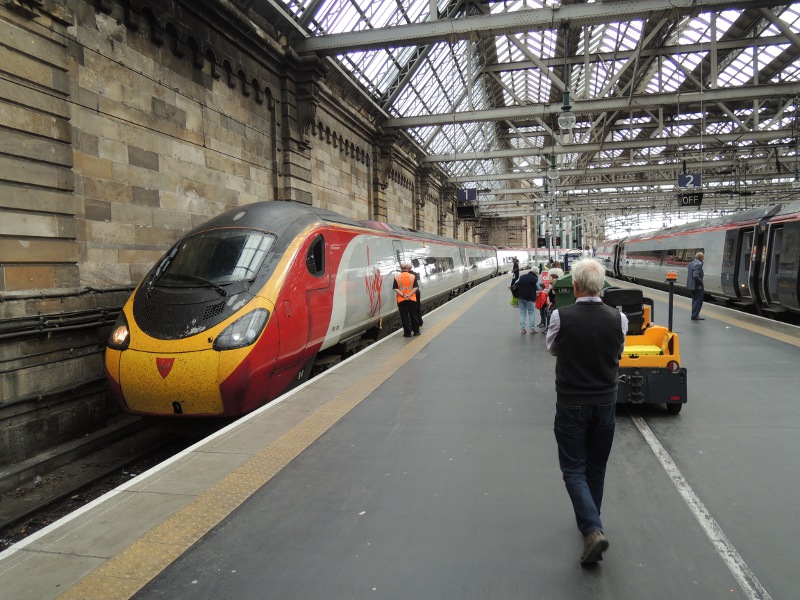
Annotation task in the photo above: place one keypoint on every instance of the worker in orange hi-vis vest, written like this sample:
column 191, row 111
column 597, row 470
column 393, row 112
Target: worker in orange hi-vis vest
column 406, row 286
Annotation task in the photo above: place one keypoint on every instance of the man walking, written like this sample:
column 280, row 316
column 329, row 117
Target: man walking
column 587, row 339
column 694, row 281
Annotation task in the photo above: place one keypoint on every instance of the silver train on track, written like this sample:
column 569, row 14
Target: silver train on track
column 752, row 258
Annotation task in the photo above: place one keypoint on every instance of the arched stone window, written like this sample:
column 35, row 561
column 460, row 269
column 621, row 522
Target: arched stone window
column 212, row 62
column 243, row 82
column 174, row 40
column 229, row 79
column 259, row 98
column 197, row 55
column 131, row 19
column 153, row 30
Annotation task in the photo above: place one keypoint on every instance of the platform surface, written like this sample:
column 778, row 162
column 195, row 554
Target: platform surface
column 426, row 468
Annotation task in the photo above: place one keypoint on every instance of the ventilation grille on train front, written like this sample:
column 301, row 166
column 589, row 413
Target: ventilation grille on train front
column 149, row 311
column 213, row 310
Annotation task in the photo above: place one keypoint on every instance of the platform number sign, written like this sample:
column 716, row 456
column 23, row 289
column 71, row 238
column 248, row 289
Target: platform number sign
column 689, row 180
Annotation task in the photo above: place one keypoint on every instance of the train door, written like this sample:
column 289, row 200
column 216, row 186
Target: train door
column 319, row 296
column 728, row 268
column 772, row 265
column 743, row 264
column 464, row 266
column 757, row 284
column 306, row 307
column 785, row 265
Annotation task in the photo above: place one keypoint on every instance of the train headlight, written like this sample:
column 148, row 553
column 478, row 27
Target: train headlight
column 242, row 332
column 673, row 366
column 120, row 336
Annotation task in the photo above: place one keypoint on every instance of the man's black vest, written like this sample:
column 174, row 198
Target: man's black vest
column 590, row 342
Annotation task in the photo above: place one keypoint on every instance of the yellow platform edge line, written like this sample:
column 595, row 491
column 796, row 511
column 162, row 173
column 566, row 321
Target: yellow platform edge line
column 124, row 574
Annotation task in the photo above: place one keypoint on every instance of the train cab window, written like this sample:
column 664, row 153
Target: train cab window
column 218, row 256
column 315, row 258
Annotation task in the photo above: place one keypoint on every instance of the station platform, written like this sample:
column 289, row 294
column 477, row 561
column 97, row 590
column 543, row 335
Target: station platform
column 426, row 468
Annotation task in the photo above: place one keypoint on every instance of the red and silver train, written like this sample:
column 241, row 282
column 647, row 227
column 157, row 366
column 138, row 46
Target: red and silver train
column 752, row 258
column 254, row 301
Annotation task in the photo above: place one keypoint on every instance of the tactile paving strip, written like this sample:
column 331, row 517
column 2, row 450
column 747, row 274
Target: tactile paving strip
column 130, row 570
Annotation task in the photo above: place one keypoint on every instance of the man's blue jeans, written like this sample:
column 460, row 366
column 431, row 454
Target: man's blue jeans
column 527, row 313
column 584, row 435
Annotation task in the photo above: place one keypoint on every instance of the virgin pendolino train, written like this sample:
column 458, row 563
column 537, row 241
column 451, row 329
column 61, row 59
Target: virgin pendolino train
column 752, row 258
column 257, row 299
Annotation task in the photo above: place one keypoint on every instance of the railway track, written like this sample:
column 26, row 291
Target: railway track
column 52, row 495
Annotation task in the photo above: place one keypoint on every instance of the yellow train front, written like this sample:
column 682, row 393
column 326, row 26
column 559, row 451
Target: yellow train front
column 650, row 369
column 200, row 336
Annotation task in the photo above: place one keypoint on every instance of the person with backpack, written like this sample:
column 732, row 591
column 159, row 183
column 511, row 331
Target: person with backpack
column 527, row 288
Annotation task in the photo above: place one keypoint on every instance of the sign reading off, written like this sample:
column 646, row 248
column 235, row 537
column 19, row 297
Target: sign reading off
column 690, row 199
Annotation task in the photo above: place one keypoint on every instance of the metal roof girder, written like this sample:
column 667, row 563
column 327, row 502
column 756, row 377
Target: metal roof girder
column 506, row 23
column 642, row 102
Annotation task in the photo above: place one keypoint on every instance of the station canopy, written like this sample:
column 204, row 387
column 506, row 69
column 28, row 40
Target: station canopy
column 613, row 107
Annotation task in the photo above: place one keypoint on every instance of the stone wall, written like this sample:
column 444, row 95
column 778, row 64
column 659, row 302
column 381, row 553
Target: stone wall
column 122, row 125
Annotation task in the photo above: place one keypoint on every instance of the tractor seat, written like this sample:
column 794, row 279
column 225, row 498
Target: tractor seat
column 631, row 302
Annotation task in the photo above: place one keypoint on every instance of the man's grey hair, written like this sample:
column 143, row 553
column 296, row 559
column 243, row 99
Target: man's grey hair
column 589, row 275
column 406, row 266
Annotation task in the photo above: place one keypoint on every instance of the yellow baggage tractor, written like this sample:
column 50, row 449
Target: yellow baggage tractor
column 650, row 369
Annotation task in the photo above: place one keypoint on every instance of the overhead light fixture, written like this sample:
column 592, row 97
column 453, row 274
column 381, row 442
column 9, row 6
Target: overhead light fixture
column 552, row 172
column 566, row 120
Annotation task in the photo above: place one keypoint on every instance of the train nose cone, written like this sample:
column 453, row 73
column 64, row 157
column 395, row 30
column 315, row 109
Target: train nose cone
column 157, row 384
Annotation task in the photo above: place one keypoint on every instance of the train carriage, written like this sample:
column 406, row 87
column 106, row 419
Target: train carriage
column 752, row 258
column 250, row 303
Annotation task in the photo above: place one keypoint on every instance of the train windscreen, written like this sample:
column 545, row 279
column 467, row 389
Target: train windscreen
column 220, row 256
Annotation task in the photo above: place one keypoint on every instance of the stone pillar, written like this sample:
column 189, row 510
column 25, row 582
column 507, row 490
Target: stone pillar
column 300, row 99
column 382, row 167
column 422, row 188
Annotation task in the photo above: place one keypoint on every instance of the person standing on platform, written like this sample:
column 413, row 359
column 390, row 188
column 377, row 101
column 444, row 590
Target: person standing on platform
column 419, row 298
column 551, row 302
column 694, row 281
column 405, row 287
column 514, row 270
column 587, row 339
column 526, row 299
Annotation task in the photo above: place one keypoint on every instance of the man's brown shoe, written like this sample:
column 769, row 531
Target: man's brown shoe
column 594, row 544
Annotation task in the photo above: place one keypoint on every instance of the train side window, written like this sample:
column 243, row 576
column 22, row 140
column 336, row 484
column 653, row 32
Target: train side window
column 315, row 258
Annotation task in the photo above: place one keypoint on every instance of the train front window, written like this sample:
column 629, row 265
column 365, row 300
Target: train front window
column 221, row 256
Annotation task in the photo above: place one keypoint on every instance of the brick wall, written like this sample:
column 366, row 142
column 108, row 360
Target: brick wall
column 125, row 123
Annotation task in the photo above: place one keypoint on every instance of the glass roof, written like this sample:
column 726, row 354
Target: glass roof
column 653, row 61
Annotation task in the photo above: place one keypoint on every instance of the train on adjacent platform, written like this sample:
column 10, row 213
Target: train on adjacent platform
column 752, row 258
column 260, row 298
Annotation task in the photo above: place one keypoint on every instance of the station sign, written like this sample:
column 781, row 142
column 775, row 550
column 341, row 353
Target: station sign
column 689, row 180
column 690, row 199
